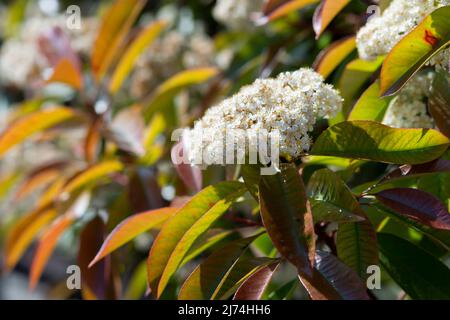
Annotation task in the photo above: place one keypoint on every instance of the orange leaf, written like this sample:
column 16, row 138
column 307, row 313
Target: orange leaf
column 66, row 72
column 91, row 174
column 330, row 58
column 115, row 26
column 30, row 124
column 143, row 40
column 46, row 245
column 51, row 236
column 92, row 141
column 287, row 8
column 23, row 233
column 132, row 227
column 39, row 177
column 325, row 13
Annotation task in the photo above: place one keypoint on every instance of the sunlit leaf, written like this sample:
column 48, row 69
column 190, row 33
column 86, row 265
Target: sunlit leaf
column 253, row 288
column 136, row 48
column 114, row 28
column 417, row 205
column 373, row 141
column 286, row 8
column 176, row 83
column 131, row 228
column 325, row 13
column 418, row 273
column 66, row 72
column 14, row 17
column 370, row 106
column 439, row 103
column 333, row 55
column 46, row 246
column 287, row 216
column 52, row 234
column 93, row 140
column 23, row 233
column 354, row 76
column 205, row 281
column 39, row 177
column 180, row 232
column 7, row 182
column 92, row 174
column 30, row 124
column 411, row 53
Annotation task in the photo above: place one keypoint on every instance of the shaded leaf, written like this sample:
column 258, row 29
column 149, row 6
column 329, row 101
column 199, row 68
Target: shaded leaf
column 418, row 205
column 28, row 125
column 180, row 232
column 190, row 174
column 343, row 279
column 136, row 48
column 253, row 288
column 287, row 217
column 131, row 228
column 114, row 28
column 411, row 53
column 439, row 103
column 331, row 200
column 325, row 13
column 418, row 273
column 333, row 55
column 96, row 282
column 373, row 141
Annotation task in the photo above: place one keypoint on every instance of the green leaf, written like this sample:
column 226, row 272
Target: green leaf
column 411, row 53
column 205, row 281
column 331, row 200
column 131, row 228
column 370, row 106
column 251, row 175
column 180, row 232
column 418, row 273
column 287, row 217
column 373, row 141
column 439, row 103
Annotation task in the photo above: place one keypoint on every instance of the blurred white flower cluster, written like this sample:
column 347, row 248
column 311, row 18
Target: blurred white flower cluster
column 237, row 14
column 39, row 41
column 409, row 108
column 382, row 33
column 168, row 55
column 288, row 105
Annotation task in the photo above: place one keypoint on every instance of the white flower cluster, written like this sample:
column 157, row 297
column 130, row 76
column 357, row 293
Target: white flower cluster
column 383, row 32
column 237, row 14
column 409, row 108
column 168, row 55
column 21, row 59
column 288, row 105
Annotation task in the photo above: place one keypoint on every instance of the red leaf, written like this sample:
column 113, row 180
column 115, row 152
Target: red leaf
column 253, row 288
column 191, row 175
column 417, row 205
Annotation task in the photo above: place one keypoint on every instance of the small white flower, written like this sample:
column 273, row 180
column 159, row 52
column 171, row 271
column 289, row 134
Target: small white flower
column 289, row 104
column 237, row 14
column 409, row 108
column 382, row 33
